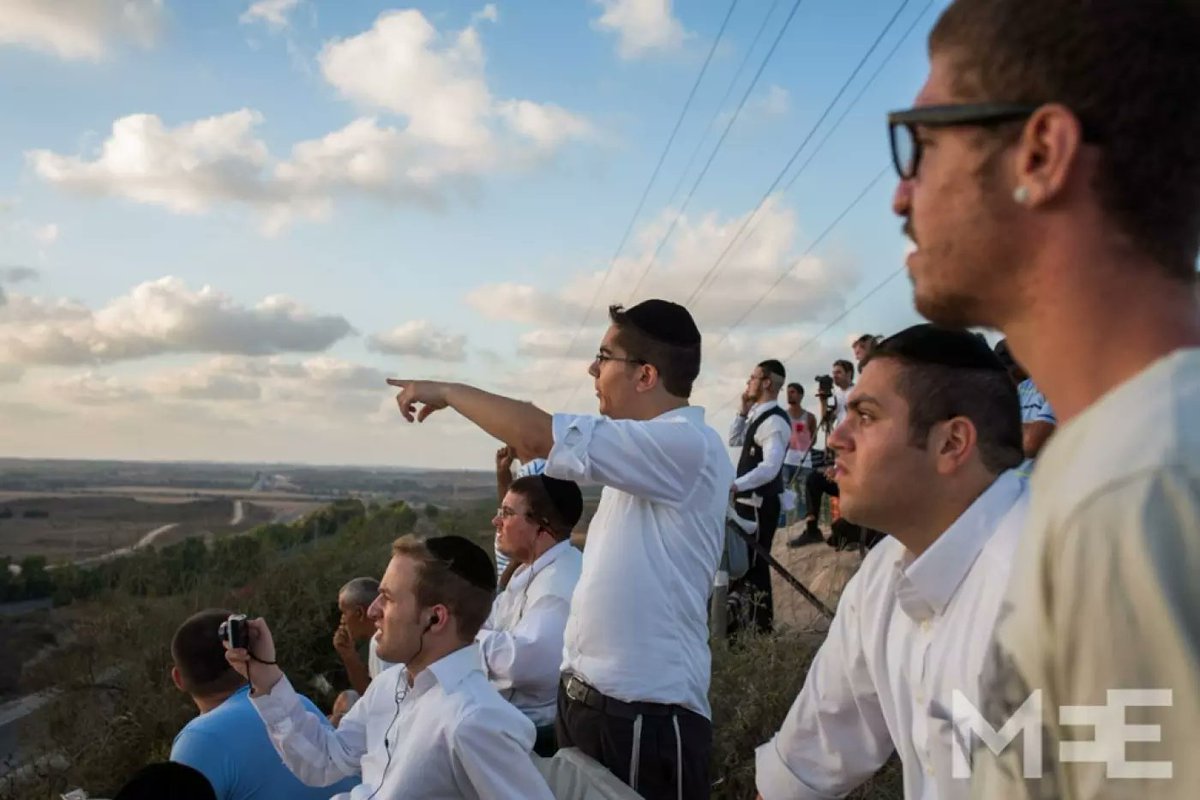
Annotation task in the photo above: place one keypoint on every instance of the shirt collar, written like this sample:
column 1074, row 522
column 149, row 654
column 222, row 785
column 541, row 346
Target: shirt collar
column 761, row 408
column 693, row 414
column 451, row 670
column 544, row 560
column 927, row 584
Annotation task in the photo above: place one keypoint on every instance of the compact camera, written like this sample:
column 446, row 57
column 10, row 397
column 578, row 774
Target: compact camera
column 235, row 632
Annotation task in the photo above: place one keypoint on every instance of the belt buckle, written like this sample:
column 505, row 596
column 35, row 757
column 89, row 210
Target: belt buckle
column 577, row 690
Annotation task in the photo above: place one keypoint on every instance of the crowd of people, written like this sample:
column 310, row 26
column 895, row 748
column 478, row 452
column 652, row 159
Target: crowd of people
column 1050, row 183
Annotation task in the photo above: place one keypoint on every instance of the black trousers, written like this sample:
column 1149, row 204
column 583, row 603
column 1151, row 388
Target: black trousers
column 757, row 583
column 662, row 753
column 816, row 487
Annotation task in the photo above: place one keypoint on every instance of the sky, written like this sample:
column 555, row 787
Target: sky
column 224, row 224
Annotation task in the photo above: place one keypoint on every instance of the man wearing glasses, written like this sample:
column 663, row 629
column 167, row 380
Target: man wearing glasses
column 1050, row 179
column 636, row 668
column 522, row 640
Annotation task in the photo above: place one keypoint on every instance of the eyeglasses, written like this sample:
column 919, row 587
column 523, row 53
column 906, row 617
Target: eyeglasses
column 902, row 127
column 600, row 358
column 504, row 512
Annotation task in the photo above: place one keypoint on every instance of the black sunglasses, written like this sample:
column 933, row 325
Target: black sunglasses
column 902, row 127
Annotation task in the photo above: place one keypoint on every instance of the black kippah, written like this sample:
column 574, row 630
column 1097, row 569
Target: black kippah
column 773, row 366
column 167, row 779
column 665, row 321
column 566, row 497
column 947, row 347
column 465, row 559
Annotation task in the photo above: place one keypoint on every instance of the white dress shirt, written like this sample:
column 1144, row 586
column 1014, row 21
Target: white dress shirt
column 522, row 640
column 448, row 736
column 772, row 436
column 907, row 634
column 840, row 398
column 638, row 629
column 375, row 664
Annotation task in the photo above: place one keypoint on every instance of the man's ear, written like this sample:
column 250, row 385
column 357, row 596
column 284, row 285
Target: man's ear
column 177, row 679
column 647, row 377
column 954, row 441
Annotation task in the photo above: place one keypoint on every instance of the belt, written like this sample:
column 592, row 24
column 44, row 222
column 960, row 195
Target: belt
column 578, row 691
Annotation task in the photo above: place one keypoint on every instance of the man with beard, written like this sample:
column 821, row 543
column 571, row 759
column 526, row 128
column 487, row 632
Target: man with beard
column 1050, row 178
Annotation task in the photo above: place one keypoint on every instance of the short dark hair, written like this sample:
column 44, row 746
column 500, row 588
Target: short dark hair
column 846, row 365
column 664, row 336
column 199, row 655
column 867, row 339
column 454, row 572
column 1125, row 69
column 557, row 502
column 797, row 387
column 947, row 373
column 167, row 779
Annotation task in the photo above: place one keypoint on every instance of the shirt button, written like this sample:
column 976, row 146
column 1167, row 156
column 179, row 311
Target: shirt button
column 929, row 770
column 925, row 625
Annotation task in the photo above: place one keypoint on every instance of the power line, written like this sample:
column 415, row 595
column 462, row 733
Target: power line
column 712, row 156
column 687, row 169
column 653, row 176
column 807, row 251
column 809, row 342
column 795, row 155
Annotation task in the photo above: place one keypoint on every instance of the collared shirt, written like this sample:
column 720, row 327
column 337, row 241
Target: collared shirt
column 638, row 629
column 772, row 436
column 1105, row 597
column 522, row 640
column 1034, row 408
column 908, row 633
column 449, row 735
column 375, row 664
column 532, row 467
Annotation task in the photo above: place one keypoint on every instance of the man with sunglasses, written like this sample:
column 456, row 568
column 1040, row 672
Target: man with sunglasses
column 636, row 666
column 1050, row 180
column 522, row 640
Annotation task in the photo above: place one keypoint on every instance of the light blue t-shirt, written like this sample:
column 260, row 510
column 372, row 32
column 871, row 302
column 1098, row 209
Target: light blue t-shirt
column 231, row 747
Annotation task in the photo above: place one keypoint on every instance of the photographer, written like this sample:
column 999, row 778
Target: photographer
column 433, row 727
column 832, row 391
column 227, row 743
column 762, row 429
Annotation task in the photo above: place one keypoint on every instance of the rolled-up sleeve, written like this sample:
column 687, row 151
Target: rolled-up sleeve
column 835, row 735
column 314, row 751
column 655, row 459
column 531, row 653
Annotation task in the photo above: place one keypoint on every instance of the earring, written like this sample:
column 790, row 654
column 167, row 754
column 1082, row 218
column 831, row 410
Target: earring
column 1021, row 195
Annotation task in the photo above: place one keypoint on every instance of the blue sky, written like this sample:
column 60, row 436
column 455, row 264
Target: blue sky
column 223, row 223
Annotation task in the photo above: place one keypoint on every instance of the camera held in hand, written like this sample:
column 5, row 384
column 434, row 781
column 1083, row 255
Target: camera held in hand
column 235, row 631
column 824, row 386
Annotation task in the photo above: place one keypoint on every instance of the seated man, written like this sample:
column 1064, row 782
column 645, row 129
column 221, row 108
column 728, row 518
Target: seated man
column 522, row 640
column 927, row 453
column 432, row 727
column 227, row 742
column 355, row 626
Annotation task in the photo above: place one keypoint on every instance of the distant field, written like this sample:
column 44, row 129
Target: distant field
column 79, row 526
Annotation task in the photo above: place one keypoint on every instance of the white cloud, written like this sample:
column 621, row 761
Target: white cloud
column 94, row 390
column 403, row 65
column 46, row 234
column 643, row 27
column 488, row 13
column 454, row 132
column 421, row 339
column 79, row 29
column 812, row 285
column 274, row 13
column 10, row 373
column 157, row 317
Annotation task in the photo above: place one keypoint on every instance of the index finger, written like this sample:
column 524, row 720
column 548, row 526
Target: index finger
column 401, row 382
